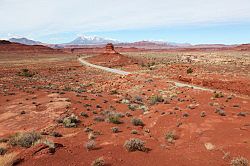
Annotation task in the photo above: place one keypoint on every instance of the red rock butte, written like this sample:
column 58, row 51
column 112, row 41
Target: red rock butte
column 110, row 49
column 110, row 58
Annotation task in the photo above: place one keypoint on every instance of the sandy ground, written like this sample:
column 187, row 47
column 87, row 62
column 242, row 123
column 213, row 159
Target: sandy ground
column 61, row 86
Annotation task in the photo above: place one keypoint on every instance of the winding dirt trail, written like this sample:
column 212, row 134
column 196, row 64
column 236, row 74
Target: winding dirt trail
column 116, row 71
column 178, row 84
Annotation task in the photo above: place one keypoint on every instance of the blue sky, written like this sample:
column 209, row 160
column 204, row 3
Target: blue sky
column 184, row 21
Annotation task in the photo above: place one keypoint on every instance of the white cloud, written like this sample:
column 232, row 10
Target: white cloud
column 42, row 17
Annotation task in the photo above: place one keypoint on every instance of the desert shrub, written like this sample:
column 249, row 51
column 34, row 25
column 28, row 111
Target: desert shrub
column 114, row 118
column 99, row 118
column 138, row 98
column 128, row 114
column 88, row 129
column 220, row 112
column 132, row 107
column 70, row 121
column 90, row 145
column 171, row 136
column 218, row 95
column 4, row 140
column 203, row 114
column 155, row 99
column 239, row 161
column 137, row 122
column 135, row 144
column 56, row 134
column 2, row 150
column 51, row 146
column 113, row 92
column 115, row 129
column 189, row 70
column 24, row 139
column 26, row 73
column 134, row 132
column 84, row 114
column 98, row 162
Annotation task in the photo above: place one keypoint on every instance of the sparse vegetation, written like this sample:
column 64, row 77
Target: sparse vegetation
column 135, row 144
column 171, row 136
column 84, row 114
column 51, row 146
column 134, row 132
column 189, row 70
column 24, row 139
column 55, row 134
column 132, row 107
column 98, row 162
column 137, row 122
column 4, row 140
column 90, row 145
column 218, row 95
column 156, row 99
column 26, row 73
column 71, row 121
column 114, row 118
column 99, row 118
column 115, row 129
column 88, row 129
column 8, row 159
column 203, row 114
column 2, row 150
column 239, row 161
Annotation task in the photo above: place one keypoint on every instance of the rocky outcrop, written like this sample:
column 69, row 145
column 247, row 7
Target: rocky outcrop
column 110, row 49
column 111, row 58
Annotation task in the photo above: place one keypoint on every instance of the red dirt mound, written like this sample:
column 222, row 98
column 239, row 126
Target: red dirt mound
column 111, row 58
column 6, row 46
column 243, row 47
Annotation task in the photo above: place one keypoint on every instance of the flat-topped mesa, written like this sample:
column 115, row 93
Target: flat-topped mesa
column 110, row 49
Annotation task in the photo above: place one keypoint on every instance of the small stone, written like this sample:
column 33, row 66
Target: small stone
column 209, row 146
column 185, row 114
column 242, row 114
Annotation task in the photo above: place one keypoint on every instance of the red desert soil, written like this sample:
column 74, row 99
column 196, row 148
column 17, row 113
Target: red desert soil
column 202, row 127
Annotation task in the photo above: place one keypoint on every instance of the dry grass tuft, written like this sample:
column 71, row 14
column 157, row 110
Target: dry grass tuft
column 8, row 159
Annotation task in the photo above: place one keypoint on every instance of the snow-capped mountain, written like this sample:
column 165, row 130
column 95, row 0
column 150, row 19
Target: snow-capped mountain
column 25, row 41
column 91, row 40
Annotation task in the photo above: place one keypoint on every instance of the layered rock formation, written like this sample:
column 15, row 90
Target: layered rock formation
column 111, row 58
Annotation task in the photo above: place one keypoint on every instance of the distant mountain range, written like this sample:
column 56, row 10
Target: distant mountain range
column 89, row 41
column 25, row 41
